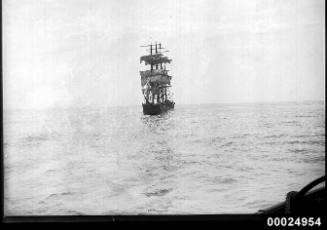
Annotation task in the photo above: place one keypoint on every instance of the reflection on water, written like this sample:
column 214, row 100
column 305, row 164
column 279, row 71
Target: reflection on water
column 160, row 167
column 193, row 159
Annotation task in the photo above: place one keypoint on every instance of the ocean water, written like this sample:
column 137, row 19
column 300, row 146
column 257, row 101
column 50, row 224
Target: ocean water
column 214, row 158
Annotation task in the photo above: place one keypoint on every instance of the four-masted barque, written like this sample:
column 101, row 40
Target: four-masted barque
column 155, row 82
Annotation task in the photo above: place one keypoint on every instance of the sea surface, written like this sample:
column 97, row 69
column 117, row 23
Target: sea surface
column 213, row 158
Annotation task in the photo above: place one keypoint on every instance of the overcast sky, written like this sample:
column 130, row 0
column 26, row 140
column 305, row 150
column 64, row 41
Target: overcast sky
column 86, row 52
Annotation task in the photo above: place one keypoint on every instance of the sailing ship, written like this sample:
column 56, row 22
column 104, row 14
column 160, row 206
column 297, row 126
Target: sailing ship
column 155, row 81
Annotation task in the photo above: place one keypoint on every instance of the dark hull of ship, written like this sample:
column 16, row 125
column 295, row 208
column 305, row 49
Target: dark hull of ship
column 155, row 109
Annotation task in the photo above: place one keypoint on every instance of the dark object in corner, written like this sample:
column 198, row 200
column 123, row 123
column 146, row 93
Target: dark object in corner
column 302, row 202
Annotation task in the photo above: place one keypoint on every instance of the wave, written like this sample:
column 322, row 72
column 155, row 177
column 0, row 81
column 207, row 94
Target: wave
column 160, row 192
column 34, row 139
column 41, row 137
column 312, row 160
column 75, row 213
column 230, row 143
column 312, row 142
column 241, row 136
column 275, row 136
column 60, row 194
column 295, row 142
column 300, row 150
column 220, row 180
column 291, row 122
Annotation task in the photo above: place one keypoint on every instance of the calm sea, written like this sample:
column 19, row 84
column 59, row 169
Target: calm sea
column 216, row 158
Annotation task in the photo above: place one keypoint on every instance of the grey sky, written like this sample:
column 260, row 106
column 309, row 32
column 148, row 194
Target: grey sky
column 86, row 52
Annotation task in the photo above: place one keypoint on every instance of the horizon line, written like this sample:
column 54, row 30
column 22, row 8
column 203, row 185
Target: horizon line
column 182, row 104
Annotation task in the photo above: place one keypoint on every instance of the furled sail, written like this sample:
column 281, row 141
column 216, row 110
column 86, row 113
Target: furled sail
column 154, row 77
column 154, row 59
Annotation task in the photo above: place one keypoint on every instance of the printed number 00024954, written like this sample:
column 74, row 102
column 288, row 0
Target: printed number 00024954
column 290, row 221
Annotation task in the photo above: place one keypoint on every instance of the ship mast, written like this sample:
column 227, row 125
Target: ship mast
column 156, row 53
column 151, row 54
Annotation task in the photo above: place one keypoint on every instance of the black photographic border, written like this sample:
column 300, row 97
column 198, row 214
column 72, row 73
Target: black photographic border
column 229, row 220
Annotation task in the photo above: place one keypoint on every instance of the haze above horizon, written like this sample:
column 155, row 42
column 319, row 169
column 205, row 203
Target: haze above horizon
column 84, row 53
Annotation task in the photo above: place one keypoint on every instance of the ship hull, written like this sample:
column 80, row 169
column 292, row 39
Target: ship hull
column 155, row 109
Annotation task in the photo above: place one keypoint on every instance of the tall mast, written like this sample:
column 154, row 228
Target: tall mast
column 156, row 53
column 160, row 49
column 155, row 58
column 151, row 54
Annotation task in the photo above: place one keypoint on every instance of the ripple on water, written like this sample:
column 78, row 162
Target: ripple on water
column 159, row 192
column 188, row 160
